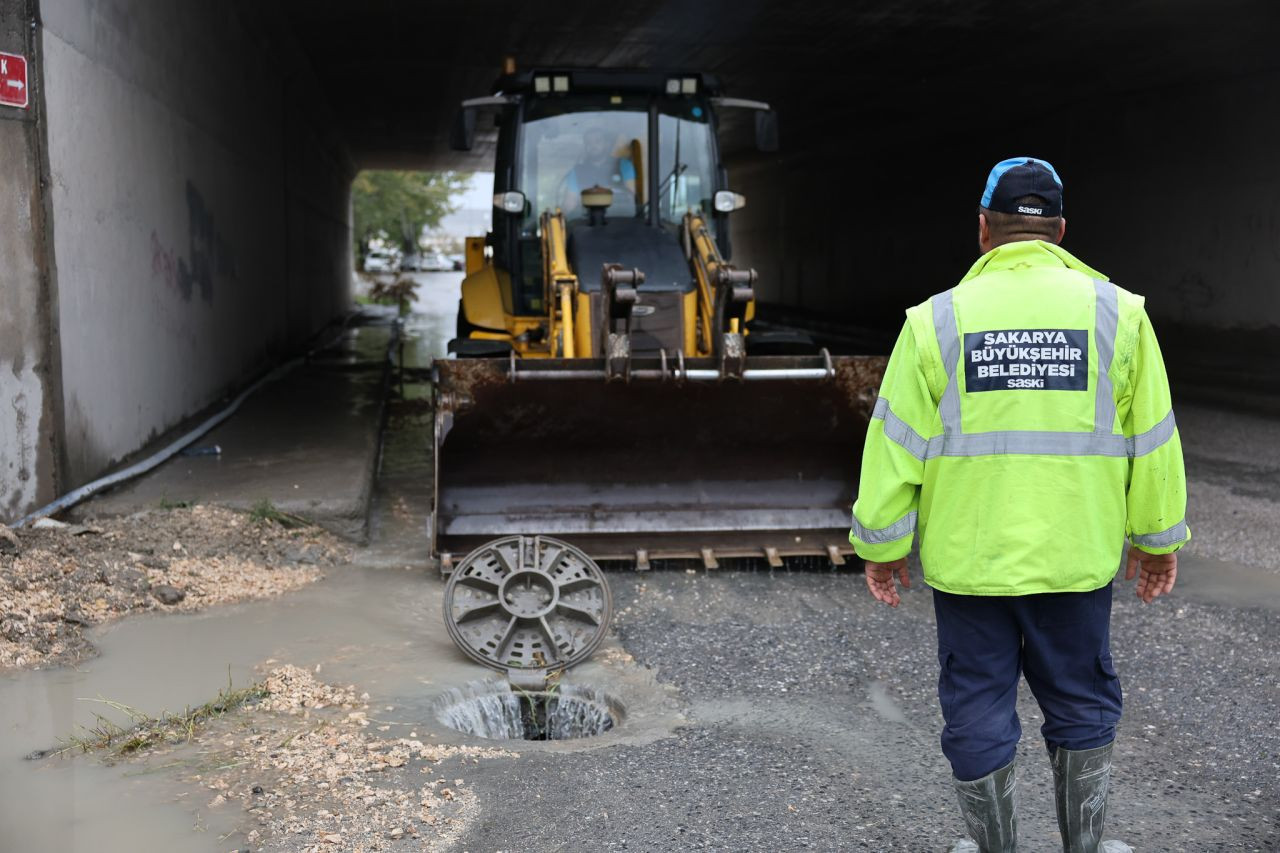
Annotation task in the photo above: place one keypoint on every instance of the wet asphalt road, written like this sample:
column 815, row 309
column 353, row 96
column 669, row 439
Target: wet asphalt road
column 814, row 725
column 812, row 711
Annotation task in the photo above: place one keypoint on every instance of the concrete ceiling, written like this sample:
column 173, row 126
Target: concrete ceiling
column 395, row 70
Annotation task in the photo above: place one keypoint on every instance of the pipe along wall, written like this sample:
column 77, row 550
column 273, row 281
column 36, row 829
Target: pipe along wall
column 191, row 226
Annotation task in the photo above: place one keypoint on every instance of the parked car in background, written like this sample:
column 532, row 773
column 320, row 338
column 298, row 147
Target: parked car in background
column 436, row 261
column 380, row 260
column 411, row 262
column 458, row 262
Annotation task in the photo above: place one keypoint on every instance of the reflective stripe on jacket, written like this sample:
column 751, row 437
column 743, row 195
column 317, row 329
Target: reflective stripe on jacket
column 1024, row 428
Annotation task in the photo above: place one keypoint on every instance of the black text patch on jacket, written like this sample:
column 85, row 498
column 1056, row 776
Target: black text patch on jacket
column 1035, row 359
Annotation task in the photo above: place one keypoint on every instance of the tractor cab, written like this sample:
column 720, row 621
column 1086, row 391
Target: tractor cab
column 626, row 162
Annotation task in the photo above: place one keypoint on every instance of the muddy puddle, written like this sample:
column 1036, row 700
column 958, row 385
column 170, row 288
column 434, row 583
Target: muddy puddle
column 370, row 628
column 375, row 624
column 377, row 629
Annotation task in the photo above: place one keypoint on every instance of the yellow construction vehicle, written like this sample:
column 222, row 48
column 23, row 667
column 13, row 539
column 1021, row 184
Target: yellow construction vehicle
column 608, row 388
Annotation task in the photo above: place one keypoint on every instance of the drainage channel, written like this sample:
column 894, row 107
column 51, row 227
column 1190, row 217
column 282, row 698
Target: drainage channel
column 496, row 711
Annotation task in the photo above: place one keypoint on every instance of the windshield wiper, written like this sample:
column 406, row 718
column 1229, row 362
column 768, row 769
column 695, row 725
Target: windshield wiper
column 676, row 171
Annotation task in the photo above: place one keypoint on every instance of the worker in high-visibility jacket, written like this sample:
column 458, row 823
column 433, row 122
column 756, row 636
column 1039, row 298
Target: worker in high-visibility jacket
column 1024, row 429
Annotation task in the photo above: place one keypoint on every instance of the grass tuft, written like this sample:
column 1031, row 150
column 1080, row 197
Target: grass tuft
column 144, row 731
column 265, row 512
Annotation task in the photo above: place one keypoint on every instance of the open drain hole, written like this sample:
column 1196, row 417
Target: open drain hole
column 493, row 710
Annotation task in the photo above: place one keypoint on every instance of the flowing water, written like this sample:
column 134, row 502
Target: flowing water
column 376, row 624
column 371, row 627
column 491, row 709
column 373, row 624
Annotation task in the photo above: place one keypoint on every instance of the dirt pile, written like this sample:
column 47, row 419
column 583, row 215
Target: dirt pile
column 57, row 579
column 309, row 768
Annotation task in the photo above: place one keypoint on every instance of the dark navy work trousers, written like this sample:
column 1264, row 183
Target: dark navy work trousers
column 1061, row 641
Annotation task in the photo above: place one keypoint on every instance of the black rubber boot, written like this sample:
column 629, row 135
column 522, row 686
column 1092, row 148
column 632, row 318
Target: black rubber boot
column 1080, row 782
column 990, row 812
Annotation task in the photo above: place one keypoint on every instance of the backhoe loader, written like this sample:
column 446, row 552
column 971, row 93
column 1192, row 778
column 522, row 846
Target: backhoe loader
column 607, row 387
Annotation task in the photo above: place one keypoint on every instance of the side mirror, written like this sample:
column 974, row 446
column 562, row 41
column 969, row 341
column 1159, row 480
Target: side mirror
column 462, row 136
column 767, row 130
column 727, row 202
column 509, row 202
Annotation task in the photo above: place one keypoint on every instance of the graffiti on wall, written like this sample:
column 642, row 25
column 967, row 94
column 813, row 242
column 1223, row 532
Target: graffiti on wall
column 208, row 253
column 163, row 263
column 19, row 441
column 197, row 271
column 19, row 403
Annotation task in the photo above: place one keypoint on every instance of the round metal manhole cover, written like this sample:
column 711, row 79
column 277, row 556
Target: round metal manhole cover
column 527, row 603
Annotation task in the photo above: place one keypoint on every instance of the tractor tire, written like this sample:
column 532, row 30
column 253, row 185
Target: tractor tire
column 464, row 328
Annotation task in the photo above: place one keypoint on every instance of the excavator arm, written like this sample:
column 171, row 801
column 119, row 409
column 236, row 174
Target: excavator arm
column 561, row 284
column 726, row 296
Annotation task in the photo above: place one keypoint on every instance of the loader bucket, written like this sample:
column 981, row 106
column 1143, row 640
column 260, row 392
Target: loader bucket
column 675, row 461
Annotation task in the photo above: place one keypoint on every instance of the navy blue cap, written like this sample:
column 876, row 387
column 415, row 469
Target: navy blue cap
column 1022, row 176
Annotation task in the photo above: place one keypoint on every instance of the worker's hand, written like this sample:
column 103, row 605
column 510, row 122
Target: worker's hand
column 1156, row 572
column 880, row 580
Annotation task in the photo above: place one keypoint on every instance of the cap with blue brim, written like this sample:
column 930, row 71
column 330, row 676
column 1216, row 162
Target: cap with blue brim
column 1019, row 177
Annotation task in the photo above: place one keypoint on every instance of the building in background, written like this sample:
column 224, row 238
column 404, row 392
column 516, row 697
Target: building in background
column 473, row 217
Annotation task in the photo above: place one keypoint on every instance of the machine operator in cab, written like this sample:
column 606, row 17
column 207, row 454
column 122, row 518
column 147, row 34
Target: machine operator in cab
column 599, row 167
column 1024, row 430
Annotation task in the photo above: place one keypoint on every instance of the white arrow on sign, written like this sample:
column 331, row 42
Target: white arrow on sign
column 16, row 84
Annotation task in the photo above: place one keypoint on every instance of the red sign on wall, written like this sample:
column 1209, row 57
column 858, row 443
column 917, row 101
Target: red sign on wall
column 13, row 80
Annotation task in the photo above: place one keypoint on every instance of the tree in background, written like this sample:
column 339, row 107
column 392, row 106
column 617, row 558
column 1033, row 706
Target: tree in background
column 396, row 206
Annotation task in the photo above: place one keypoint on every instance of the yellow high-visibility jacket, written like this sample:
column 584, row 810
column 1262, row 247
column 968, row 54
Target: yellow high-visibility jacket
column 1024, row 429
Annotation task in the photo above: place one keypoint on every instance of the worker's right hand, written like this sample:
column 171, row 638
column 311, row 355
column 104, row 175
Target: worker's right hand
column 1156, row 573
column 880, row 580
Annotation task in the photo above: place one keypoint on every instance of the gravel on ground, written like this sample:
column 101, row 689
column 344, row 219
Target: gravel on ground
column 1233, row 484
column 814, row 725
column 58, row 579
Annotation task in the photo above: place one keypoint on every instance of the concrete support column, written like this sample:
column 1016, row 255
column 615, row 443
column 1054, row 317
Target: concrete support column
column 30, row 382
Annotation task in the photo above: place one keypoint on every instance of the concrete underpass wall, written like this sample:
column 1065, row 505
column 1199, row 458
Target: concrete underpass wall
column 1173, row 193
column 200, row 209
